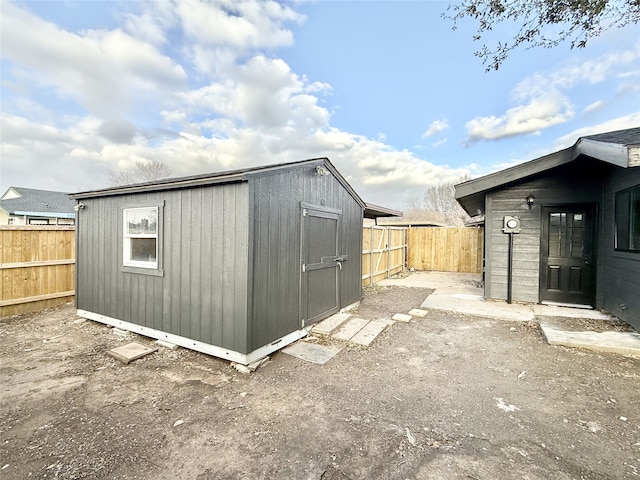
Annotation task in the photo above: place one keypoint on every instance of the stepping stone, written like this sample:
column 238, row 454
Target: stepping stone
column 623, row 343
column 349, row 329
column 328, row 325
column 312, row 352
column 386, row 321
column 417, row 312
column 368, row 333
column 401, row 317
column 130, row 352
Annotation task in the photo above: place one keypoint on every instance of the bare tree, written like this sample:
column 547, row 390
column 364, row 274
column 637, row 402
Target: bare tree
column 438, row 204
column 577, row 21
column 145, row 171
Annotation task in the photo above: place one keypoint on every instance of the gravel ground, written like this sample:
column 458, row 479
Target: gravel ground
column 444, row 397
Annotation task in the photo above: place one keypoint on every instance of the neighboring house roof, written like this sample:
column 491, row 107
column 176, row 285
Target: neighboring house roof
column 621, row 148
column 20, row 201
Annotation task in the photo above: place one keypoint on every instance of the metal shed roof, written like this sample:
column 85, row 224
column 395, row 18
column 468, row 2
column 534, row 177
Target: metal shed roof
column 230, row 176
column 621, row 148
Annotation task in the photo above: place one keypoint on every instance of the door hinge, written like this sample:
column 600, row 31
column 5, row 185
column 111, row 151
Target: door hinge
column 304, row 212
column 304, row 268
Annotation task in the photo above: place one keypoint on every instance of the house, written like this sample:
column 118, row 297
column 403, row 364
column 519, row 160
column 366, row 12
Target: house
column 27, row 206
column 235, row 264
column 565, row 228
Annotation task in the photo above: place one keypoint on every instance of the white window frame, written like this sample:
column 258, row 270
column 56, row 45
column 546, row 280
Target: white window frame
column 138, row 266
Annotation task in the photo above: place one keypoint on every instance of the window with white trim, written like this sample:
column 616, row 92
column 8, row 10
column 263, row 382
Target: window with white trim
column 141, row 239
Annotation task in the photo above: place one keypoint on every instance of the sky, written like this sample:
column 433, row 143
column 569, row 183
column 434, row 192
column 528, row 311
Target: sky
column 387, row 90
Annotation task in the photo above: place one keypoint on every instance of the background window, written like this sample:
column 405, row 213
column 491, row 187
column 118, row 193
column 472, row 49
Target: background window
column 141, row 237
column 628, row 220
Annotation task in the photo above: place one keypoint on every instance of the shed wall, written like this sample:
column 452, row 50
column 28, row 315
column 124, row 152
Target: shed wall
column 275, row 255
column 620, row 269
column 563, row 185
column 203, row 292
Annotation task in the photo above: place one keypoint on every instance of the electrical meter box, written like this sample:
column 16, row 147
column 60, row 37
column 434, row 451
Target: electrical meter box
column 511, row 224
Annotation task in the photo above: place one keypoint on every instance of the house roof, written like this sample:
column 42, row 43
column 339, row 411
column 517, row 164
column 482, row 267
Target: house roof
column 41, row 203
column 233, row 176
column 620, row 148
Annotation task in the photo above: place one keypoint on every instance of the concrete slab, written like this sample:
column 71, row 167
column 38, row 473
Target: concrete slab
column 368, row 333
column 417, row 312
column 623, row 343
column 312, row 352
column 401, row 317
column 480, row 307
column 386, row 321
column 130, row 352
column 329, row 325
column 556, row 311
column 349, row 329
column 165, row 344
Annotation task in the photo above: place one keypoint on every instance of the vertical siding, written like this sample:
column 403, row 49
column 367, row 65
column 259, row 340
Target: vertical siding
column 566, row 185
column 203, row 293
column 621, row 270
column 276, row 268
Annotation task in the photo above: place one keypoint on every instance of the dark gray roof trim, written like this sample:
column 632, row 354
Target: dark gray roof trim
column 376, row 211
column 613, row 147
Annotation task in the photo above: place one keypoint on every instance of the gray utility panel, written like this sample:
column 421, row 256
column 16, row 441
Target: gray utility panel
column 236, row 264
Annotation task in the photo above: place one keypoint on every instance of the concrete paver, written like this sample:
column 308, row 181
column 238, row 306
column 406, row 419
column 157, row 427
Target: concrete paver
column 328, row 325
column 401, row 317
column 130, row 352
column 312, row 352
column 368, row 333
column 418, row 312
column 349, row 329
column 623, row 343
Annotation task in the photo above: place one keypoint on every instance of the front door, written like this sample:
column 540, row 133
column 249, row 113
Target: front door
column 320, row 265
column 567, row 257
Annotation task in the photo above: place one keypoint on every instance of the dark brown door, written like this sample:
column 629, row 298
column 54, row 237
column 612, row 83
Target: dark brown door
column 567, row 268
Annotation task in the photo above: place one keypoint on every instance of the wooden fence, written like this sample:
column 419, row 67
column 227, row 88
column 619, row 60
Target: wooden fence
column 383, row 252
column 445, row 249
column 37, row 268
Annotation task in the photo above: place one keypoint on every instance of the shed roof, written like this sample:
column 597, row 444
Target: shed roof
column 620, row 148
column 42, row 203
column 376, row 211
column 230, row 176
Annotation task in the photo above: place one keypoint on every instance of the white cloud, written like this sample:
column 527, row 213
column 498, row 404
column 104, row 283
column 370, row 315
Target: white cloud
column 620, row 123
column 105, row 71
column 533, row 117
column 543, row 97
column 592, row 107
column 437, row 126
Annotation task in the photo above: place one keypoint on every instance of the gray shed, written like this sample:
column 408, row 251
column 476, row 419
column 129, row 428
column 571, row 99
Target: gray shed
column 565, row 228
column 236, row 264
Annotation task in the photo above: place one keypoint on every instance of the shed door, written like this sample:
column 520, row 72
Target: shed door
column 320, row 266
column 567, row 267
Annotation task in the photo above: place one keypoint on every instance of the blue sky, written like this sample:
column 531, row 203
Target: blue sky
column 387, row 90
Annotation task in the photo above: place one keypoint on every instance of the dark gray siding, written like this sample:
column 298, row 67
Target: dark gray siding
column 621, row 269
column 203, row 293
column 275, row 253
column 575, row 183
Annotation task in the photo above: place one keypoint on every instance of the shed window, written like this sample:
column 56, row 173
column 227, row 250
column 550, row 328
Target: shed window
column 628, row 220
column 141, row 237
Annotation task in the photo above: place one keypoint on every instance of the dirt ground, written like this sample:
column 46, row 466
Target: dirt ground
column 444, row 397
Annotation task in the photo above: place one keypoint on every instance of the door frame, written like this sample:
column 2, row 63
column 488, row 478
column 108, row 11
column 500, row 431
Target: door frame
column 323, row 212
column 591, row 208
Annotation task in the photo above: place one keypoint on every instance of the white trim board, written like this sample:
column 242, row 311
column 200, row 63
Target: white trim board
column 213, row 350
